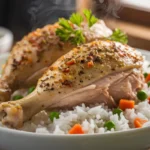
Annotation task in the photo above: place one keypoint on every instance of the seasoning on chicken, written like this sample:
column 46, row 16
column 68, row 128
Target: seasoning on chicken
column 35, row 52
column 97, row 72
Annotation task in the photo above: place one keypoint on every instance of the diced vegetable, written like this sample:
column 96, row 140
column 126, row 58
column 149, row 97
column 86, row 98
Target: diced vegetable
column 149, row 100
column 90, row 64
column 145, row 74
column 17, row 97
column 53, row 115
column 147, row 78
column 69, row 63
column 31, row 89
column 138, row 122
column 148, row 83
column 109, row 125
column 126, row 104
column 141, row 95
column 117, row 111
column 76, row 129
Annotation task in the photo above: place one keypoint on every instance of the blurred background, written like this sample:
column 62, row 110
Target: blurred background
column 23, row 16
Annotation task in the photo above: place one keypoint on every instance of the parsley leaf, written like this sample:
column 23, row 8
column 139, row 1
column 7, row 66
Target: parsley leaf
column 76, row 18
column 65, row 24
column 67, row 33
column 89, row 17
column 67, row 30
column 119, row 36
column 78, row 37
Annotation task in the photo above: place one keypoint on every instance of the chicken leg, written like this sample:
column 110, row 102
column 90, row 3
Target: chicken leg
column 86, row 74
column 34, row 53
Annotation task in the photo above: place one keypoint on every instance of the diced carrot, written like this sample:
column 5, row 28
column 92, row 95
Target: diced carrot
column 90, row 64
column 126, row 104
column 149, row 100
column 138, row 122
column 147, row 78
column 76, row 129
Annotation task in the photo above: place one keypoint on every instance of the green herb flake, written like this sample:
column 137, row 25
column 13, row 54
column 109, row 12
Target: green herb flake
column 148, row 83
column 109, row 125
column 141, row 95
column 67, row 32
column 31, row 89
column 17, row 97
column 53, row 115
column 91, row 19
column 119, row 36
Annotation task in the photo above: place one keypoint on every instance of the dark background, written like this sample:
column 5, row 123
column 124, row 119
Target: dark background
column 23, row 16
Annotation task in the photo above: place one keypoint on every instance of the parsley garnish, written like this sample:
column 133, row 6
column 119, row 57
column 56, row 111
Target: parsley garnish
column 67, row 32
column 119, row 36
column 76, row 18
column 91, row 19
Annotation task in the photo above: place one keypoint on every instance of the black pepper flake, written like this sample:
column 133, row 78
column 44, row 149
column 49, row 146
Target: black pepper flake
column 66, row 70
column 90, row 58
column 67, row 82
column 80, row 72
column 97, row 59
column 52, row 89
column 82, row 61
column 81, row 81
column 15, row 64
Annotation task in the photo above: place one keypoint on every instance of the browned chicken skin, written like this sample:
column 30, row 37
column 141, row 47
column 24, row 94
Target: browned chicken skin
column 97, row 72
column 31, row 56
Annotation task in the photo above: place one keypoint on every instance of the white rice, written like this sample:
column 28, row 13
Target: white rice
column 92, row 119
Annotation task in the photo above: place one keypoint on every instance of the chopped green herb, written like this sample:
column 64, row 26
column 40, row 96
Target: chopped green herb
column 145, row 74
column 76, row 18
column 66, row 32
column 148, row 83
column 17, row 97
column 31, row 89
column 119, row 36
column 141, row 95
column 109, row 125
column 91, row 19
column 53, row 115
column 117, row 111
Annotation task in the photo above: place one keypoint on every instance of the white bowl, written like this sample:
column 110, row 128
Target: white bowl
column 135, row 139
column 6, row 40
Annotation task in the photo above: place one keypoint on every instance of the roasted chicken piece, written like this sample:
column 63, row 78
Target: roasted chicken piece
column 35, row 52
column 97, row 72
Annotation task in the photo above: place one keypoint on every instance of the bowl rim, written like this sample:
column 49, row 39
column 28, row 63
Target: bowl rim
column 39, row 135
column 115, row 133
